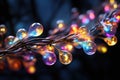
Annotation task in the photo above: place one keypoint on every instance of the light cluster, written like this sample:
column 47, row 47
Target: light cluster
column 81, row 33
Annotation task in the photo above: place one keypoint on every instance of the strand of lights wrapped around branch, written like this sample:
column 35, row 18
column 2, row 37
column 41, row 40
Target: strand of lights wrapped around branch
column 81, row 33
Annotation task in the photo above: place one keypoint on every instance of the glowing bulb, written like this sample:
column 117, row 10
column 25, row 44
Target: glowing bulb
column 91, row 14
column 3, row 29
column 31, row 69
column 21, row 34
column 65, row 57
column 68, row 47
column 111, row 41
column 84, row 19
column 112, row 1
column 15, row 64
column 107, row 8
column 115, row 5
column 49, row 58
column 50, row 48
column 82, row 31
column 89, row 47
column 9, row 41
column 74, row 29
column 118, row 17
column 102, row 48
column 36, row 29
column 60, row 24
column 28, row 56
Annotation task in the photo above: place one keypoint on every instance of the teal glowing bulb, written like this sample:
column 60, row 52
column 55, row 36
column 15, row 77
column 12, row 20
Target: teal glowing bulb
column 89, row 47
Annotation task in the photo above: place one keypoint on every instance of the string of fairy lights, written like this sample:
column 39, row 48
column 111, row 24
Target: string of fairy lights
column 83, row 30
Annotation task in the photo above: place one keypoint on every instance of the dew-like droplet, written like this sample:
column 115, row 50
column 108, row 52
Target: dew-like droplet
column 49, row 58
column 9, row 41
column 89, row 47
column 35, row 30
column 111, row 41
column 21, row 34
column 65, row 57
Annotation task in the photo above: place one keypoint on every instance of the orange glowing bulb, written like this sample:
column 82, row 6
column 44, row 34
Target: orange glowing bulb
column 31, row 69
column 74, row 29
column 65, row 57
column 82, row 31
column 111, row 41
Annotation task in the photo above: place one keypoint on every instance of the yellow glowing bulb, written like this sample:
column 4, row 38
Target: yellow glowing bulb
column 39, row 30
column 69, row 47
column 111, row 41
column 82, row 30
column 112, row 1
column 50, row 48
column 115, row 6
column 31, row 69
column 3, row 29
column 102, row 48
column 65, row 57
column 61, row 25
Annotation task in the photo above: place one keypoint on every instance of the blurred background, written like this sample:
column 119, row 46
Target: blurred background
column 17, row 14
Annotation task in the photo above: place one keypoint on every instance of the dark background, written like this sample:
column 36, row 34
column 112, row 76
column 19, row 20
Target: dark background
column 17, row 14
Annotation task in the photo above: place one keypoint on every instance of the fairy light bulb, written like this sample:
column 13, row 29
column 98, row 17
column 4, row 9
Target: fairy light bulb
column 49, row 48
column 102, row 48
column 14, row 64
column 73, row 29
column 112, row 1
column 82, row 31
column 111, row 41
column 49, row 58
column 84, row 19
column 36, row 29
column 9, row 41
column 65, row 57
column 28, row 56
column 31, row 69
column 89, row 47
column 115, row 5
column 3, row 29
column 68, row 47
column 91, row 14
column 21, row 34
column 107, row 8
column 60, row 24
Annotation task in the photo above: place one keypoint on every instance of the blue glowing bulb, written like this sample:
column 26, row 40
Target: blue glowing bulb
column 49, row 58
column 36, row 29
column 89, row 47
column 21, row 34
